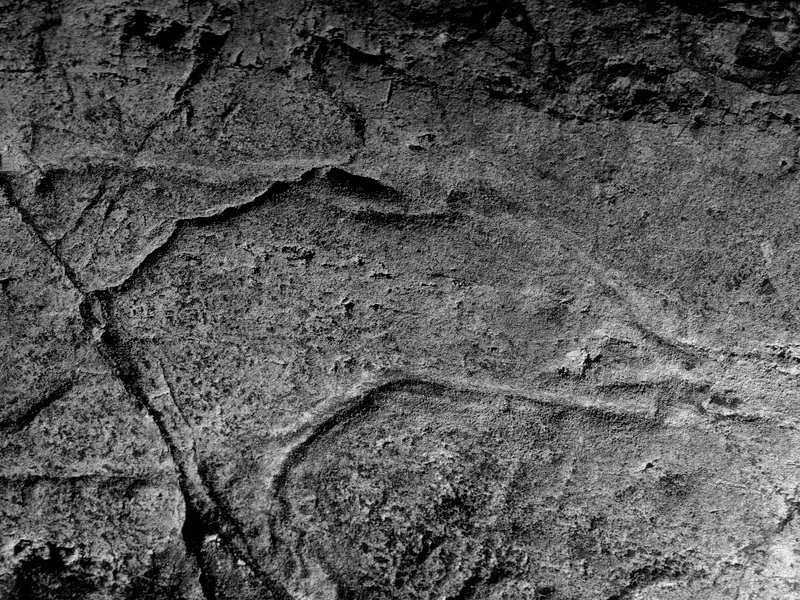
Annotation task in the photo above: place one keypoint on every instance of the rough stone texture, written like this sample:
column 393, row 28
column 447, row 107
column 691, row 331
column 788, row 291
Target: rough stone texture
column 345, row 299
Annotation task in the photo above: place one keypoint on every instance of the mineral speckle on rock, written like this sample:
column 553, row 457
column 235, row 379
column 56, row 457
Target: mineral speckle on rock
column 413, row 299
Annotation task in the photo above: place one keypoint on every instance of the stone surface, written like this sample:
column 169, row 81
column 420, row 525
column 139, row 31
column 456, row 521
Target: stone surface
column 408, row 299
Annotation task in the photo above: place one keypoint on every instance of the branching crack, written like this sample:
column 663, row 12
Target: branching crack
column 206, row 517
column 205, row 50
column 69, row 272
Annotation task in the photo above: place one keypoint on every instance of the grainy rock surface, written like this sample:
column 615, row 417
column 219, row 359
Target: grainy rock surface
column 419, row 299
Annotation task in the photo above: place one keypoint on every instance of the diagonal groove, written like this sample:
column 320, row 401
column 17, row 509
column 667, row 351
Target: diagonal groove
column 205, row 514
column 28, row 221
column 17, row 423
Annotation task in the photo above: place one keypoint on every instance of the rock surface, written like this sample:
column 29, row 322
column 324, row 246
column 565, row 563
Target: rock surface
column 349, row 299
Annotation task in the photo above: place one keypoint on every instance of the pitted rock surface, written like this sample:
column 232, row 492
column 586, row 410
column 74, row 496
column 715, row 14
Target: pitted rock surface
column 345, row 299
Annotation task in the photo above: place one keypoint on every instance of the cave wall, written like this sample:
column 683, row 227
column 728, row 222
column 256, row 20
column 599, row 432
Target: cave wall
column 344, row 299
